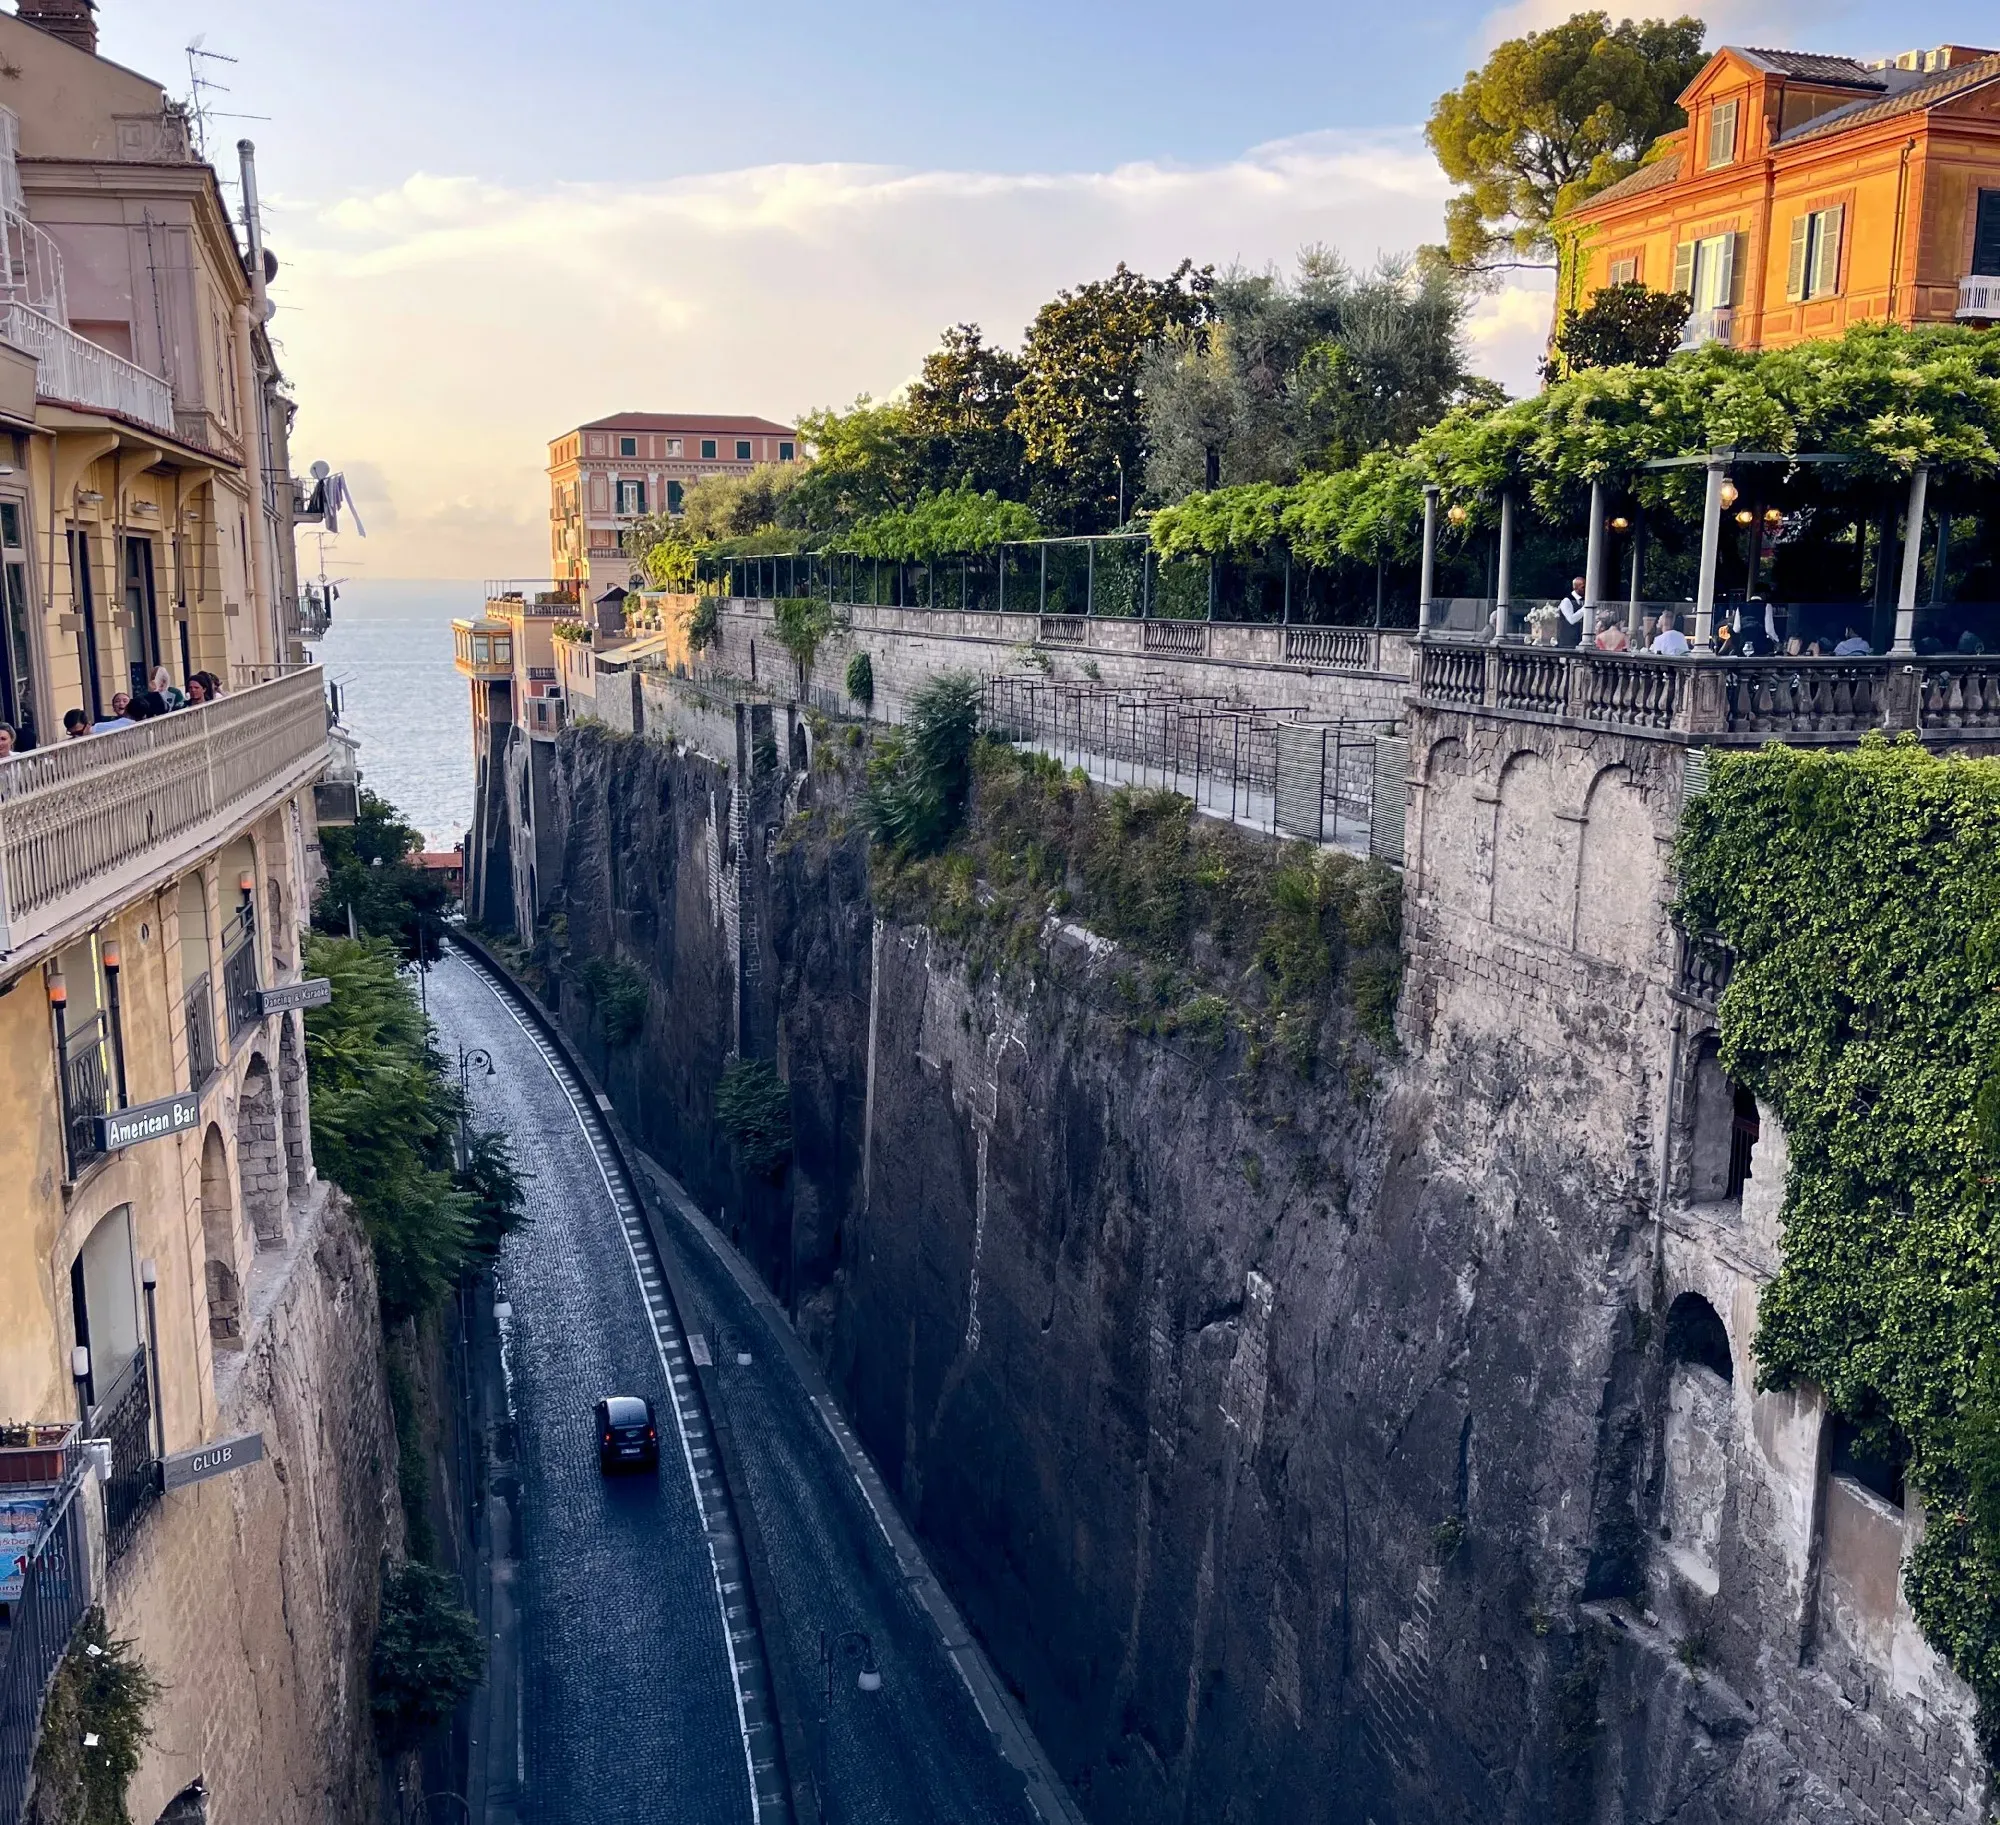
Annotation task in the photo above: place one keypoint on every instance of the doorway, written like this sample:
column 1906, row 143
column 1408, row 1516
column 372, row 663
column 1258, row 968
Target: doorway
column 83, row 586
column 142, row 616
column 17, row 664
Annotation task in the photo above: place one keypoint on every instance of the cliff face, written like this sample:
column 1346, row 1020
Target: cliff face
column 1293, row 1445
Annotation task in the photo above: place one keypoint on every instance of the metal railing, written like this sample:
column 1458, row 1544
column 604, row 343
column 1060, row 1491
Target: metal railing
column 1275, row 768
column 55, row 1593
column 239, row 973
column 75, row 371
column 86, row 1091
column 243, row 674
column 125, row 1417
column 552, row 595
column 33, row 272
column 199, row 1003
column 85, row 821
column 1117, row 576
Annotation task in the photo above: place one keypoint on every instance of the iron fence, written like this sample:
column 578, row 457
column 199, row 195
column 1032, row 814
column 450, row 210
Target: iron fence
column 86, row 1089
column 200, row 1005
column 55, row 1592
column 125, row 1417
column 1275, row 767
column 1116, row 577
column 239, row 972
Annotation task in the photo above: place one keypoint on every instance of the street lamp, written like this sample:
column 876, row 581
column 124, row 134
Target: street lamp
column 844, row 1646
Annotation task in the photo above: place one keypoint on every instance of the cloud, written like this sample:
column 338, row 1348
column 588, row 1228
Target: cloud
column 1808, row 23
column 441, row 332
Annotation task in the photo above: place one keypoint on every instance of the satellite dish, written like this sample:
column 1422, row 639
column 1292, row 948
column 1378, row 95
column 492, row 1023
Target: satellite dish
column 320, row 471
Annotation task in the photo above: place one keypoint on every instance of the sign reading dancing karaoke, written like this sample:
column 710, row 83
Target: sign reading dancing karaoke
column 147, row 1122
column 314, row 992
column 218, row 1459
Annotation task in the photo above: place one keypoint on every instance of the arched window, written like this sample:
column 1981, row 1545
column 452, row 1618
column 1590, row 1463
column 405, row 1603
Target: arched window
column 260, row 1160
column 1699, row 1373
column 1723, row 1129
column 218, row 1237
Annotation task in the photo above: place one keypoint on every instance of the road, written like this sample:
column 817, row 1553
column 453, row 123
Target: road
column 636, row 1707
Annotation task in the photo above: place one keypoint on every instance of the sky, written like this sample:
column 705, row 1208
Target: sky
column 496, row 222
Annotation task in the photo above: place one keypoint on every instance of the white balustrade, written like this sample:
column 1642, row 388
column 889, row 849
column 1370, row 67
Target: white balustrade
column 75, row 371
column 86, row 823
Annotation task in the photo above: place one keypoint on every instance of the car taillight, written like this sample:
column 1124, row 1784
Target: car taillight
column 652, row 1435
column 607, row 1438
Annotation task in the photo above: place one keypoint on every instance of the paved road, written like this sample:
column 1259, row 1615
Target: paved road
column 632, row 1707
column 629, row 1704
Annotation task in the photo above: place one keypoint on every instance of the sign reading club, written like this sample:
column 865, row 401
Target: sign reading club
column 218, row 1459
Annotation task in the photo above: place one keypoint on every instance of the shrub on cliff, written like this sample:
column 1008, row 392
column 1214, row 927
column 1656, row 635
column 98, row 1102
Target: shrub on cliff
column 860, row 680
column 1860, row 893
column 618, row 992
column 921, row 776
column 93, row 1728
column 802, row 624
column 753, row 1107
column 428, row 1654
column 384, row 1115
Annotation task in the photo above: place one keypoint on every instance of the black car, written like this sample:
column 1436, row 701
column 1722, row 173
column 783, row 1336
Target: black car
column 627, row 1438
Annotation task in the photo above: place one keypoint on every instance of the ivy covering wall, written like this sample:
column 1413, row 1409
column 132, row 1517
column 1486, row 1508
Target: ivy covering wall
column 1860, row 892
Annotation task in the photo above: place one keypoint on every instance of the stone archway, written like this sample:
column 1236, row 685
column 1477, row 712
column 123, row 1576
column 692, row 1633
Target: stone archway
column 260, row 1160
column 292, row 1095
column 1700, row 1374
column 218, row 1236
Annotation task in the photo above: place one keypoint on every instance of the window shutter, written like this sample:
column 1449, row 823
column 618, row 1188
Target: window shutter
column 1684, row 268
column 1795, row 269
column 1826, row 253
column 1725, row 277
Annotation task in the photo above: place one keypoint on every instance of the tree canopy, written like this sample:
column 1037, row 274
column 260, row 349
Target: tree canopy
column 1550, row 119
column 371, row 868
column 1628, row 325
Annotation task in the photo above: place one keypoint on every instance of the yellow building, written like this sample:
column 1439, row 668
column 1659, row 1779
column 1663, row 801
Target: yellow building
column 1808, row 193
column 161, row 1223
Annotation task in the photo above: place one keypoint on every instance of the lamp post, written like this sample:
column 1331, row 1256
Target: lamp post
column 149, row 1278
column 79, row 1372
column 843, row 1646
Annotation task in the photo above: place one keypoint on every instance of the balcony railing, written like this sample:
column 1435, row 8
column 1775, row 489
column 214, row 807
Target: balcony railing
column 239, row 973
column 86, row 1091
column 125, row 1417
column 536, row 595
column 1979, row 297
column 1708, row 326
column 55, row 1592
column 75, row 371
column 1704, row 699
column 87, row 825
column 200, row 1006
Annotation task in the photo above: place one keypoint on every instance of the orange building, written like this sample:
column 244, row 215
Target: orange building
column 607, row 473
column 1808, row 193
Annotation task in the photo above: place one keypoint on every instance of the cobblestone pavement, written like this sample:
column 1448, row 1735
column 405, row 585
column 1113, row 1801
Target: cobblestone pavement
column 914, row 1752
column 630, row 1712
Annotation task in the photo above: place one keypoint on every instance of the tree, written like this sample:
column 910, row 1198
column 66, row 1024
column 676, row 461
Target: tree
column 1079, row 404
column 1551, row 119
column 370, row 867
column 1623, row 326
column 958, row 409
column 864, row 461
column 1305, row 374
column 429, row 1653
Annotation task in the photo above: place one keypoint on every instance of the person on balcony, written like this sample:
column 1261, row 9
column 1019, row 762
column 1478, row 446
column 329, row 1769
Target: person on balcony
column 1569, row 629
column 1852, row 645
column 1611, row 636
column 6, row 741
column 165, row 689
column 1670, row 642
column 121, row 704
column 197, row 692
column 75, row 723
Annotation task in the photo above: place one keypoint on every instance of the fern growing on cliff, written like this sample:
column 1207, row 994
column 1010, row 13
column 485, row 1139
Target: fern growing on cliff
column 753, row 1108
column 921, row 776
column 93, row 1729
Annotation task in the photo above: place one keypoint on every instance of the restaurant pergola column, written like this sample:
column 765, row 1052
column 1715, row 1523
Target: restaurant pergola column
column 1428, row 574
column 1711, row 552
column 1638, row 565
column 1593, row 564
column 1503, row 583
column 1913, row 555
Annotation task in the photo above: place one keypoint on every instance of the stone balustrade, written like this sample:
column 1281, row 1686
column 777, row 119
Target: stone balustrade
column 87, row 825
column 1945, row 698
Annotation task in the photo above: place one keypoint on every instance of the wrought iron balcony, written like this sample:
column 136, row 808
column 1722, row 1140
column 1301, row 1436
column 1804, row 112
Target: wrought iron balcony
column 88, row 825
column 72, row 370
column 239, row 973
column 200, row 1007
column 86, row 1091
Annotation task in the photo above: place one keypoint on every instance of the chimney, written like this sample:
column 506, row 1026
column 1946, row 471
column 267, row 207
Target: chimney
column 73, row 21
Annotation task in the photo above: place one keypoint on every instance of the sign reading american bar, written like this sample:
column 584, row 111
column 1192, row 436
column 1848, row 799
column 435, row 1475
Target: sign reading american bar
column 147, row 1122
column 314, row 992
column 217, row 1459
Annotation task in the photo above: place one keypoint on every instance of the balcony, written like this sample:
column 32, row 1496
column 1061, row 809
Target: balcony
column 1979, row 298
column 87, row 826
column 1717, row 702
column 483, row 648
column 74, row 371
column 553, row 596
column 1708, row 326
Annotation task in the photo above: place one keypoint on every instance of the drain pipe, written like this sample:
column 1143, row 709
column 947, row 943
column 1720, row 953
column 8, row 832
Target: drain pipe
column 255, row 409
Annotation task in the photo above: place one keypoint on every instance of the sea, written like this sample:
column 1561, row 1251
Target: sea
column 389, row 650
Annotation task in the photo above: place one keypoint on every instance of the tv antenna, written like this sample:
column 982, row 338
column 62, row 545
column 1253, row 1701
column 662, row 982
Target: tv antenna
column 202, row 84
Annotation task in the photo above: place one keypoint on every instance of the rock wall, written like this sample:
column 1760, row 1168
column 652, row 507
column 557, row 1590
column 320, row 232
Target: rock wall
column 252, row 1596
column 1300, row 1450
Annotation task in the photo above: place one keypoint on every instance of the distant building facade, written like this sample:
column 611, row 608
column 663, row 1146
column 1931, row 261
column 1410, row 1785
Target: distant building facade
column 606, row 474
column 1808, row 193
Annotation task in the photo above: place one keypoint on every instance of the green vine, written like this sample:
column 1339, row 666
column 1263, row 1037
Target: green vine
column 93, row 1728
column 1861, row 895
